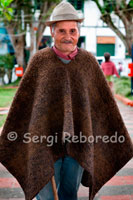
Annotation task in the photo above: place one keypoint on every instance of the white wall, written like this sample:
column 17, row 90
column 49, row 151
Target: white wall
column 91, row 13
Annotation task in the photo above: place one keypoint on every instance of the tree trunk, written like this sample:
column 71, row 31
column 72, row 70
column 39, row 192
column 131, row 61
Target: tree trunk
column 127, row 38
column 19, row 40
column 18, row 43
column 126, row 17
column 9, row 74
column 125, row 14
column 47, row 8
column 2, row 74
column 40, row 33
column 33, row 47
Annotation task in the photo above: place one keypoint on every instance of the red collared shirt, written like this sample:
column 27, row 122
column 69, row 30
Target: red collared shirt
column 66, row 57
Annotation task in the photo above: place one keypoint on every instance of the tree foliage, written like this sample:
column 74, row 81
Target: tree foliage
column 6, row 12
column 6, row 65
column 123, row 9
column 24, row 15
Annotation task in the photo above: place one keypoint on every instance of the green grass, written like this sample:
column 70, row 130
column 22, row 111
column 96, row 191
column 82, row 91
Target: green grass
column 122, row 86
column 2, row 120
column 15, row 83
column 6, row 96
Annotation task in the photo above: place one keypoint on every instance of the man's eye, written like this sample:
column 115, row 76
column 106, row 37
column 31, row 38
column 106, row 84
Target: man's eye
column 61, row 31
column 73, row 31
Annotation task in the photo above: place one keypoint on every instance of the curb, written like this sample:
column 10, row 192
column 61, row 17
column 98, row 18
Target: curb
column 4, row 108
column 1, row 129
column 125, row 100
column 9, row 87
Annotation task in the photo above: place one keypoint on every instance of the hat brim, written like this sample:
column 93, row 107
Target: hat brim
column 49, row 23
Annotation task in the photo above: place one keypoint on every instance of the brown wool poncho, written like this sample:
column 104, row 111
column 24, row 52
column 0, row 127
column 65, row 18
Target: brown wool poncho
column 52, row 98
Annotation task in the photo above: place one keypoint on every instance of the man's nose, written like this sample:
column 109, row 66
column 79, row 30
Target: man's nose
column 68, row 36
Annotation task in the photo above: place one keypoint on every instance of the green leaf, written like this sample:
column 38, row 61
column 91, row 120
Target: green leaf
column 7, row 2
column 8, row 16
column 3, row 4
column 10, row 10
column 131, row 4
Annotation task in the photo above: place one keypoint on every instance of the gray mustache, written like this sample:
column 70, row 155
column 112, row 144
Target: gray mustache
column 67, row 41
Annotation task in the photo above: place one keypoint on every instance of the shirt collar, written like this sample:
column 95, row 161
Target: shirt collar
column 66, row 57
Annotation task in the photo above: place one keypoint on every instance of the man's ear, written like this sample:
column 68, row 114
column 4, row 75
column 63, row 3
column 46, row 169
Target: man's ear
column 52, row 34
column 79, row 32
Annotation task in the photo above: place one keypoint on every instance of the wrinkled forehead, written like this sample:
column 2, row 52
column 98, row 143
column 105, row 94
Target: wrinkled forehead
column 66, row 24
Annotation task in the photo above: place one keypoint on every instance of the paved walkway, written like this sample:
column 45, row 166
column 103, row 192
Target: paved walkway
column 120, row 187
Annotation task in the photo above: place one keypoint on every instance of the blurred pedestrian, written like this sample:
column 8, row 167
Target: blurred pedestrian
column 120, row 68
column 109, row 69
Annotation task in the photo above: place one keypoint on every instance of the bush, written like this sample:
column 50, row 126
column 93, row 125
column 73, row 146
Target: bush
column 6, row 66
column 7, row 61
column 123, row 86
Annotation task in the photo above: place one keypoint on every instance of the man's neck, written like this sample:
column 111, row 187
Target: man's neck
column 66, row 55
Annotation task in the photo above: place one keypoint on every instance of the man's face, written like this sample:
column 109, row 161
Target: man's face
column 66, row 35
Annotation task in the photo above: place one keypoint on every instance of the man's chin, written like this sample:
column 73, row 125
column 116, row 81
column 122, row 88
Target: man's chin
column 68, row 49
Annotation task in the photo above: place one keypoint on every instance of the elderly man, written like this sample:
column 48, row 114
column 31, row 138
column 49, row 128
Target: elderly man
column 63, row 120
column 65, row 32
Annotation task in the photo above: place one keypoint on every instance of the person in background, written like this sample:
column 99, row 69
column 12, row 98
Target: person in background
column 109, row 69
column 120, row 68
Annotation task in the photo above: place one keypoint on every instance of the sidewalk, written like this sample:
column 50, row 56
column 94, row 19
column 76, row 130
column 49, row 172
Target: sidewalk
column 120, row 187
column 3, row 111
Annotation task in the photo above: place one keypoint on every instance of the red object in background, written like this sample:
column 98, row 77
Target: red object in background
column 19, row 71
column 35, row 28
column 130, row 66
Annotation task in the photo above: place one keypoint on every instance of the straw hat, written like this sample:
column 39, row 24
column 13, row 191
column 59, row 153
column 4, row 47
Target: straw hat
column 64, row 11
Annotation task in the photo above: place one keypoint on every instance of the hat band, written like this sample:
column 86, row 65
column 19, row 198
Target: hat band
column 64, row 17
